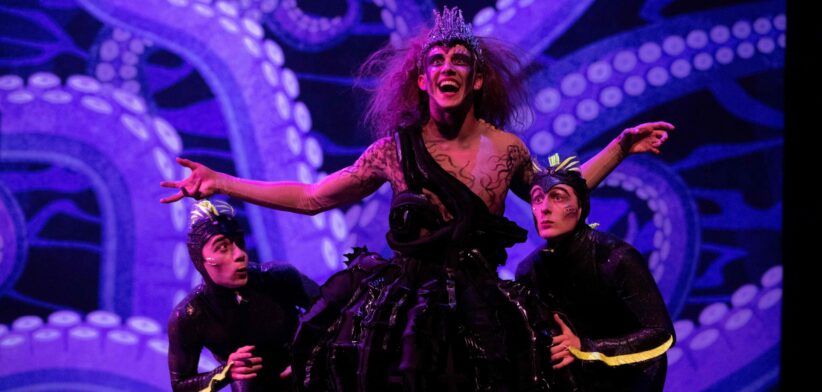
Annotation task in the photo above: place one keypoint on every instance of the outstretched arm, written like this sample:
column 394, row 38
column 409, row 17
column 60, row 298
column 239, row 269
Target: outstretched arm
column 647, row 137
column 345, row 186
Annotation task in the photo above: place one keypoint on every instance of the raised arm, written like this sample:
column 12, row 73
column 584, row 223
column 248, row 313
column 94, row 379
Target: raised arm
column 345, row 186
column 521, row 182
column 647, row 137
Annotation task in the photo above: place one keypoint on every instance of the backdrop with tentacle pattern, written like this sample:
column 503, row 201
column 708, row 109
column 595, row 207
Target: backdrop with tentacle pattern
column 97, row 97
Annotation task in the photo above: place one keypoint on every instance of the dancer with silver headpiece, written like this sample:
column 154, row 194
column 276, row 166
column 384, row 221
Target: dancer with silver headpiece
column 435, row 317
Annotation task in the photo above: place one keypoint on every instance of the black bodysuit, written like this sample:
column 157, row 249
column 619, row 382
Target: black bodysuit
column 603, row 287
column 264, row 315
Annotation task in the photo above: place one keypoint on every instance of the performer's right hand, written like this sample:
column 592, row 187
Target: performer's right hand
column 245, row 365
column 560, row 355
column 201, row 183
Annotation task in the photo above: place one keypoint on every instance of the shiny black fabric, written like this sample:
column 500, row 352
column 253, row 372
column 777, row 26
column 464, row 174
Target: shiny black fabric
column 435, row 317
column 266, row 317
column 603, row 287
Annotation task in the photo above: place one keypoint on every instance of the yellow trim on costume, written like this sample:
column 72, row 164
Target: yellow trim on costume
column 553, row 160
column 535, row 165
column 623, row 359
column 217, row 378
column 203, row 209
column 567, row 164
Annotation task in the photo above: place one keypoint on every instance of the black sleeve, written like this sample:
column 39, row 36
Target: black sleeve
column 309, row 290
column 525, row 270
column 636, row 288
column 291, row 284
column 184, row 347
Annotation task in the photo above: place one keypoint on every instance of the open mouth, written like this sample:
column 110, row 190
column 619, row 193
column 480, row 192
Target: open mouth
column 449, row 86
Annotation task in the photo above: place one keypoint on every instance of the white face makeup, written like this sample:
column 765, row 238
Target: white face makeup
column 556, row 211
column 449, row 76
column 226, row 262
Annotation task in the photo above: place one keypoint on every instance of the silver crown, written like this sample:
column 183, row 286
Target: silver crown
column 449, row 28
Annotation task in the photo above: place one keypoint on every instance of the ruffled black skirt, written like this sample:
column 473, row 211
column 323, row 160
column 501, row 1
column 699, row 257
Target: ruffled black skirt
column 409, row 324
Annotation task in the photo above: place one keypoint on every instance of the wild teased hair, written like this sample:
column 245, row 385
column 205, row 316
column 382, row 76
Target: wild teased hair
column 396, row 100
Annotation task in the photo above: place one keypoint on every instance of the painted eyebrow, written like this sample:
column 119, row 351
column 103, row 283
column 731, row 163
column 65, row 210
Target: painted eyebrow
column 220, row 239
column 435, row 56
column 558, row 190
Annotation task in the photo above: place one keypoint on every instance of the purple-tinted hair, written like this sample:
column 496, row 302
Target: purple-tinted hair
column 396, row 100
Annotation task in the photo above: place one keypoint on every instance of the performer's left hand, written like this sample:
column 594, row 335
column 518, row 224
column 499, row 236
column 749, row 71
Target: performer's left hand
column 647, row 137
column 560, row 356
column 245, row 364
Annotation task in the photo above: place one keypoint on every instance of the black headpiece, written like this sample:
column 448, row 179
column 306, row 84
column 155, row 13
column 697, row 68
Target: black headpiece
column 567, row 172
column 207, row 220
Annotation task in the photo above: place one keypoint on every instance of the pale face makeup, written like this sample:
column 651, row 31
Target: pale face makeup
column 556, row 211
column 449, row 77
column 226, row 262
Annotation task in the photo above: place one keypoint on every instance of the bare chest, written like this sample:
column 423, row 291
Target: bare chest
column 486, row 170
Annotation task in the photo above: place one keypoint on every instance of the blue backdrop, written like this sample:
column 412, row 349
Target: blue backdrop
column 97, row 97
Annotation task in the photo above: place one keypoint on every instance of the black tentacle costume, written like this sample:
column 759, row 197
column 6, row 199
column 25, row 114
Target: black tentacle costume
column 435, row 317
